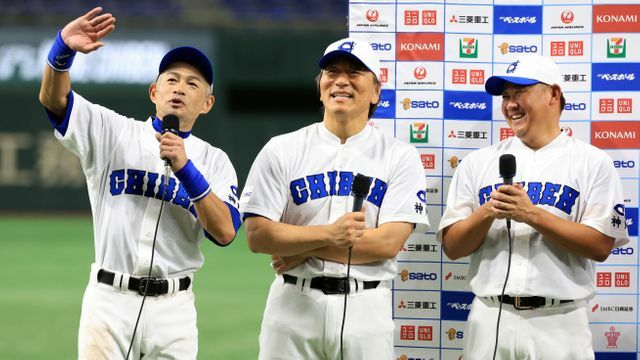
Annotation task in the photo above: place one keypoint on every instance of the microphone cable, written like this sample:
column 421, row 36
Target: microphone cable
column 504, row 286
column 344, row 308
column 153, row 251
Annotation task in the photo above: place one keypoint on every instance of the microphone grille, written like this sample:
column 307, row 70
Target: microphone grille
column 170, row 123
column 360, row 185
column 507, row 166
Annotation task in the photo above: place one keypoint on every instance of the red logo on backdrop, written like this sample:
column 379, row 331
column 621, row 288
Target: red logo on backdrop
column 567, row 130
column 476, row 77
column 425, row 333
column 623, row 279
column 459, row 76
column 417, row 17
column 612, row 338
column 506, row 133
column 420, row 46
column 407, row 332
column 420, row 72
column 384, row 75
column 616, row 18
column 603, row 279
column 620, row 279
column 428, row 161
column 429, row 17
column 373, row 15
column 595, row 307
column 620, row 106
column 567, row 16
column 616, row 134
column 569, row 48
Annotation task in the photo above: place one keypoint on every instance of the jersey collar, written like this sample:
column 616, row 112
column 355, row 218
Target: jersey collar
column 157, row 125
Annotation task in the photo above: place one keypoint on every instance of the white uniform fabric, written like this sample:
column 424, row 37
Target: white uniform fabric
column 304, row 178
column 568, row 178
column 120, row 159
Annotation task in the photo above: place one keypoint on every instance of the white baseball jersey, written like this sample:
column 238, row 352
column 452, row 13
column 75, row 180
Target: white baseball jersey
column 304, row 178
column 568, row 178
column 120, row 158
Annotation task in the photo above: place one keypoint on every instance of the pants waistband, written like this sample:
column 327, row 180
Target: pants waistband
column 527, row 302
column 332, row 285
column 152, row 286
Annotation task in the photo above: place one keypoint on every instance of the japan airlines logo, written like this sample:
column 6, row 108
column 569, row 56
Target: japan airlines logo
column 373, row 15
column 420, row 72
column 567, row 130
column 567, row 16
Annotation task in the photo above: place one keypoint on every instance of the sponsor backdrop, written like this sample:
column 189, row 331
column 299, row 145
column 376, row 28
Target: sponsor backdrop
column 436, row 58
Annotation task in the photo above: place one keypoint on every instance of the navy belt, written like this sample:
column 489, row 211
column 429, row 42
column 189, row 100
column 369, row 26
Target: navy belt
column 331, row 285
column 155, row 286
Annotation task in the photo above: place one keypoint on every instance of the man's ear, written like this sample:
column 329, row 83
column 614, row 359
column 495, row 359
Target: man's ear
column 208, row 104
column 153, row 90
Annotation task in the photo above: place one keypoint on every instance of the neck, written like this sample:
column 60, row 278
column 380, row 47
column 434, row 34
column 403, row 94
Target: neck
column 543, row 140
column 344, row 126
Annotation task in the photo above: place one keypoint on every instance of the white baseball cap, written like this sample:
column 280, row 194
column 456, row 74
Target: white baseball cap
column 355, row 48
column 526, row 70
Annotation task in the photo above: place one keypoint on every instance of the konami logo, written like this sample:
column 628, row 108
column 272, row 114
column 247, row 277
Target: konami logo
column 616, row 134
column 420, row 46
column 616, row 18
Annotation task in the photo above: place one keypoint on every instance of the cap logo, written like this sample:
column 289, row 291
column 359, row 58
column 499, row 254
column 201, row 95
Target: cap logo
column 513, row 67
column 346, row 46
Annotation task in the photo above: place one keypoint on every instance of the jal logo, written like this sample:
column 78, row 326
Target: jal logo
column 616, row 47
column 468, row 48
column 505, row 49
column 567, row 16
column 372, row 15
column 420, row 72
column 419, row 132
column 567, row 130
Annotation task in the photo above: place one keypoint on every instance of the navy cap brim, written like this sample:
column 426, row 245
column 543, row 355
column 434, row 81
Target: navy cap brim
column 495, row 84
column 189, row 55
column 330, row 56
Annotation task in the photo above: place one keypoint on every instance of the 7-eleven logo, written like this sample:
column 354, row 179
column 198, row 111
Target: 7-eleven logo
column 616, row 47
column 469, row 48
column 419, row 132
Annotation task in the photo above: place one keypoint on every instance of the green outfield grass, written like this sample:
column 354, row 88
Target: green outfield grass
column 44, row 263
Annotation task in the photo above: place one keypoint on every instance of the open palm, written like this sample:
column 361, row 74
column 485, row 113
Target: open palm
column 84, row 33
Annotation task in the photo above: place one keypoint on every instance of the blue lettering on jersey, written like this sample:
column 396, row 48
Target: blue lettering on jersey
column 140, row 182
column 332, row 183
column 563, row 197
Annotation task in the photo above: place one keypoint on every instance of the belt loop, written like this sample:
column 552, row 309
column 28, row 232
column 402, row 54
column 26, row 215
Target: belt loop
column 304, row 285
column 123, row 282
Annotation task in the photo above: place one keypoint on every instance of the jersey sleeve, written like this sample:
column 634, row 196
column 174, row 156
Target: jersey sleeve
column 90, row 131
column 461, row 199
column 225, row 185
column 264, row 193
column 405, row 198
column 604, row 203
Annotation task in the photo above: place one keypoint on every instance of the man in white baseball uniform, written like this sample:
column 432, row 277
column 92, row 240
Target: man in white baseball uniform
column 297, row 208
column 566, row 211
column 122, row 160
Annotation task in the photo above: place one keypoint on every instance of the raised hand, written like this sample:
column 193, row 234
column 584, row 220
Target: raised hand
column 84, row 33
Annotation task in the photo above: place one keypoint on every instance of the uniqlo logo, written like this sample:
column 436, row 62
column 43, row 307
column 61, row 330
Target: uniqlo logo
column 557, row 48
column 407, row 332
column 425, row 333
column 476, row 77
column 429, row 17
column 459, row 76
column 428, row 161
column 622, row 279
column 412, row 17
column 384, row 75
column 606, row 106
column 576, row 48
column 603, row 279
column 625, row 105
column 506, row 133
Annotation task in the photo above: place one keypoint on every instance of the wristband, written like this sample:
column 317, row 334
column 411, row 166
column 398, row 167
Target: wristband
column 60, row 56
column 193, row 182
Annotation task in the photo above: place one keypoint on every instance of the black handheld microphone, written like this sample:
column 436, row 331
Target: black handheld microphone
column 359, row 190
column 170, row 123
column 507, row 172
